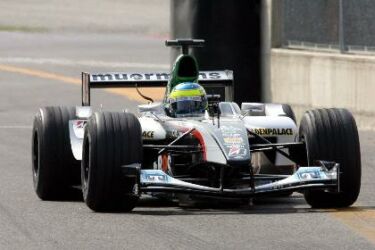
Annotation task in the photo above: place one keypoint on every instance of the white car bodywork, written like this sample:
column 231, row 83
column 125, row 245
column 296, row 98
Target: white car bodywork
column 272, row 123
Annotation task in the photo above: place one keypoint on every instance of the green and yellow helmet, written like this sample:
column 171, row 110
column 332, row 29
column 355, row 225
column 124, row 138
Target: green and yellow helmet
column 187, row 99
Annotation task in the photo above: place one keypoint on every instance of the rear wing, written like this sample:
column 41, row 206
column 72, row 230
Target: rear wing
column 215, row 82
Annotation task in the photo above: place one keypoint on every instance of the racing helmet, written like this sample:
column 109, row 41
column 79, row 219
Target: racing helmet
column 187, row 99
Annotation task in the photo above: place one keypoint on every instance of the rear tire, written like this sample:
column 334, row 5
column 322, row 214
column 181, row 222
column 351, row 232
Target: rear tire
column 331, row 135
column 111, row 140
column 54, row 167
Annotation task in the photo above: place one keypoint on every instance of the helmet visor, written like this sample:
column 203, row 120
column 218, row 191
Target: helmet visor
column 188, row 107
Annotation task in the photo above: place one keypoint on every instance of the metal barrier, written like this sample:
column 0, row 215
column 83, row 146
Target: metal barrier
column 338, row 25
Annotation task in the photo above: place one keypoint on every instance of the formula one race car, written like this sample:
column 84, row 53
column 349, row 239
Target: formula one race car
column 226, row 152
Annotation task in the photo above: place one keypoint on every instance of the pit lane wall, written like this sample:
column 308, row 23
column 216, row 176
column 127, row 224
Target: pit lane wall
column 310, row 79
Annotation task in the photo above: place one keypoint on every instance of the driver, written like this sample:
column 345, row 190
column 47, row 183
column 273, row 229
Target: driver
column 186, row 99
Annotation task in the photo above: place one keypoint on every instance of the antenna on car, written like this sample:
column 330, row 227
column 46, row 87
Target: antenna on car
column 185, row 44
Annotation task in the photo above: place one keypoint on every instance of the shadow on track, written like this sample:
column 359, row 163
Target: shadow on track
column 273, row 205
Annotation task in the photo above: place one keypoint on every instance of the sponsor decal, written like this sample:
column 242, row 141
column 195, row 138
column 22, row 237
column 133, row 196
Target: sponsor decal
column 225, row 129
column 272, row 131
column 148, row 134
column 160, row 76
column 309, row 175
column 80, row 124
column 209, row 75
column 173, row 133
column 233, row 140
column 234, row 150
column 237, row 151
column 129, row 77
column 156, row 178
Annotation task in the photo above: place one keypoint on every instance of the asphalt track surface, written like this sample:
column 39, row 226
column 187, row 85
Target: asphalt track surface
column 44, row 69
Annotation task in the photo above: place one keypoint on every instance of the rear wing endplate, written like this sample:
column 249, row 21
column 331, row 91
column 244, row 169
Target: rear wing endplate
column 215, row 82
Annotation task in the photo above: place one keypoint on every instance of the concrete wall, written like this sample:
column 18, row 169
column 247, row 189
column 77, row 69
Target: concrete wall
column 307, row 80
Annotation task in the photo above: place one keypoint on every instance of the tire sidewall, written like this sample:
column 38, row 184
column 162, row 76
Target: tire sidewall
column 103, row 188
column 37, row 133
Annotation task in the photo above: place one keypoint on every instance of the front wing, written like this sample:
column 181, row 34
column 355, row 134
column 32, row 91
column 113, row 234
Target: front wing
column 313, row 177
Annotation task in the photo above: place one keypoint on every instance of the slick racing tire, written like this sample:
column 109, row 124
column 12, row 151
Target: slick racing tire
column 331, row 135
column 54, row 167
column 289, row 112
column 111, row 140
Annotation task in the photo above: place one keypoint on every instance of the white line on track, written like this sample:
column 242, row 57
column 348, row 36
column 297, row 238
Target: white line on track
column 89, row 63
column 15, row 127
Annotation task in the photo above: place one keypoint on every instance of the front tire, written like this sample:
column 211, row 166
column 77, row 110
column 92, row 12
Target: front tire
column 111, row 140
column 53, row 164
column 331, row 135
